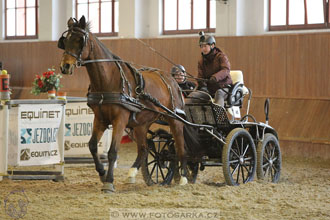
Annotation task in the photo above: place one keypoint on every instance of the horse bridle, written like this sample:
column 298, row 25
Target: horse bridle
column 61, row 43
column 85, row 36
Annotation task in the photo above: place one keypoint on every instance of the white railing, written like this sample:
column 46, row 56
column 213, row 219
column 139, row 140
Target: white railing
column 23, row 132
column 74, row 132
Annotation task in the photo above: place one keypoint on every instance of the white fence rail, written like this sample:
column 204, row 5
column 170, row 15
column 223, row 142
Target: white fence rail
column 32, row 134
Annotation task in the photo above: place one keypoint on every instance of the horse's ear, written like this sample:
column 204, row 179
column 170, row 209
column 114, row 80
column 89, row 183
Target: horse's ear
column 82, row 22
column 71, row 22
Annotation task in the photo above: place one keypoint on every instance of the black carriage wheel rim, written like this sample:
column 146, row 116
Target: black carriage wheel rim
column 271, row 161
column 241, row 160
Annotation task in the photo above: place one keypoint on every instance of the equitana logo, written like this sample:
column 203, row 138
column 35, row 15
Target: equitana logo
column 25, row 154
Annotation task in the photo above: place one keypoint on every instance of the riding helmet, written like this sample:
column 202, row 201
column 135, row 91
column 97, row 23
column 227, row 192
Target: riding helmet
column 206, row 39
column 177, row 68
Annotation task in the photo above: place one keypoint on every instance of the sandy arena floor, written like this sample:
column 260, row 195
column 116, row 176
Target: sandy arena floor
column 303, row 193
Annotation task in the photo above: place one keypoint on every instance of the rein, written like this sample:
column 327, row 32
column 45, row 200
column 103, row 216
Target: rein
column 167, row 59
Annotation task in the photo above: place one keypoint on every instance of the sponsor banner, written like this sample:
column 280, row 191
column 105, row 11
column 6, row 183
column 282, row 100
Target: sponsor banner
column 78, row 130
column 13, row 137
column 37, row 135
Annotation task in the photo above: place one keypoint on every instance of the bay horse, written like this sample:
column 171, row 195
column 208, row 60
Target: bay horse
column 121, row 96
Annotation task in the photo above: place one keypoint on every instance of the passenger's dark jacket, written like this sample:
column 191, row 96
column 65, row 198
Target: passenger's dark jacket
column 215, row 64
column 187, row 85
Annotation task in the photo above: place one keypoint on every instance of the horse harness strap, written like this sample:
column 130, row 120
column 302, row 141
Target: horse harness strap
column 128, row 102
column 124, row 80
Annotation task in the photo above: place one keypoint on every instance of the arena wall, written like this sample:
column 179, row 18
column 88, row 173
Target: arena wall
column 292, row 70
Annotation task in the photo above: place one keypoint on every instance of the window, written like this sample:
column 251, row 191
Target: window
column 103, row 15
column 298, row 14
column 188, row 16
column 21, row 18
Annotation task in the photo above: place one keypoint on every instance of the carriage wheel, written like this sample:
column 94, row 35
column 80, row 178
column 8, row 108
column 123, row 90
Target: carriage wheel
column 158, row 168
column 239, row 157
column 269, row 159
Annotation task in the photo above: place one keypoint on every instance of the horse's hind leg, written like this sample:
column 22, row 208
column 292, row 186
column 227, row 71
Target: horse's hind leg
column 140, row 134
column 98, row 130
column 177, row 132
column 132, row 172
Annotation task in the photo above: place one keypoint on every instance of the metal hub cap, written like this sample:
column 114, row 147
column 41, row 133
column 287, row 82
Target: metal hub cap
column 271, row 162
column 241, row 160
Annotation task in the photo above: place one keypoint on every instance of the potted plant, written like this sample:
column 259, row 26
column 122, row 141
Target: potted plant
column 48, row 82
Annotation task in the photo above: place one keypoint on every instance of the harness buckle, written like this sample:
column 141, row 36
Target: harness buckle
column 79, row 63
column 138, row 90
column 101, row 100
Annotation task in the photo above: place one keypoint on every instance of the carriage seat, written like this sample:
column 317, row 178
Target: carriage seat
column 237, row 91
column 198, row 97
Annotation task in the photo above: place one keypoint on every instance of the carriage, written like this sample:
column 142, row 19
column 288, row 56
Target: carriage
column 217, row 136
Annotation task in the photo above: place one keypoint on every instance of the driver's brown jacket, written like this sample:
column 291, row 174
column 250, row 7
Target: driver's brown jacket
column 215, row 64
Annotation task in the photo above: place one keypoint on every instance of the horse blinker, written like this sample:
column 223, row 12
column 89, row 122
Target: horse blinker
column 60, row 43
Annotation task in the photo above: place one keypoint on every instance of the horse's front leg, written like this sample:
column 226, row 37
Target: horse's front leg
column 118, row 125
column 177, row 132
column 98, row 130
column 140, row 134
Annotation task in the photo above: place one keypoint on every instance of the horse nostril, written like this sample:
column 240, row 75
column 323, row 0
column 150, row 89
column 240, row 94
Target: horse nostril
column 66, row 66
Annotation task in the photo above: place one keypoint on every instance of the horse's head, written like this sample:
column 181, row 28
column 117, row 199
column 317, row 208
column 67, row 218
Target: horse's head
column 73, row 42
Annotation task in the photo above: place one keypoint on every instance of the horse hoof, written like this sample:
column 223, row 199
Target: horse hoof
column 132, row 172
column 108, row 188
column 183, row 181
column 131, row 180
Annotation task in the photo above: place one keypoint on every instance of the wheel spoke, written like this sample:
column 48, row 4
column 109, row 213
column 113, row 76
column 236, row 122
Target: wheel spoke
column 248, row 158
column 232, row 173
column 233, row 161
column 243, row 174
column 268, row 153
column 153, row 169
column 242, row 145
column 237, row 179
column 158, row 147
column 231, row 149
column 164, row 146
column 273, row 151
column 151, row 162
column 237, row 146
column 265, row 158
column 271, row 173
column 157, row 167
column 264, row 165
column 161, row 172
column 247, row 147
column 266, row 171
column 247, row 169
column 275, row 169
column 152, row 154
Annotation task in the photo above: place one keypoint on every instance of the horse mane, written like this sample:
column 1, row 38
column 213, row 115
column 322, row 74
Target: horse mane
column 103, row 47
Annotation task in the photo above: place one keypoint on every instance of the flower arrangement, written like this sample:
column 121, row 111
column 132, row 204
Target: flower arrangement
column 47, row 82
